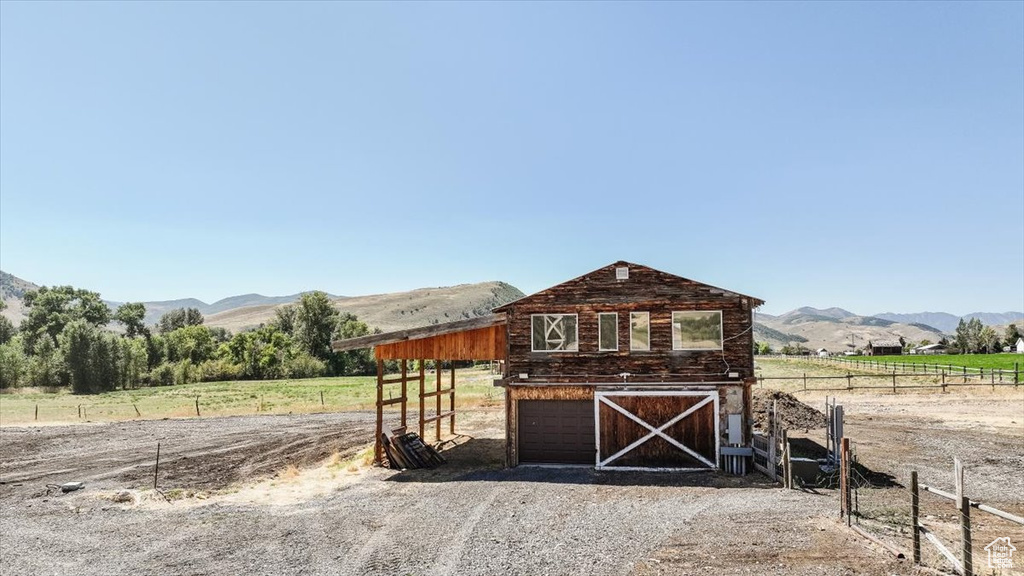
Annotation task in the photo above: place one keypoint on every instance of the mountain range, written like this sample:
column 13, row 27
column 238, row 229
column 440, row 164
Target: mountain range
column 835, row 329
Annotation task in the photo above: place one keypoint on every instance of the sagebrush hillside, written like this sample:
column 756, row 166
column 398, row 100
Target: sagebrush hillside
column 394, row 311
column 835, row 329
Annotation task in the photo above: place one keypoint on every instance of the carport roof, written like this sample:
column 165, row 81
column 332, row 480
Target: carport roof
column 419, row 333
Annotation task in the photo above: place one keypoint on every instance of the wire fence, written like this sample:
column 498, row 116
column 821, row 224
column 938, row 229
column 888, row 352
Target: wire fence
column 949, row 536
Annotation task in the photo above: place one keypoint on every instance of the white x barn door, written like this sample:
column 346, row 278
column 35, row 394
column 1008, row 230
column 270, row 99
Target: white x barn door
column 704, row 400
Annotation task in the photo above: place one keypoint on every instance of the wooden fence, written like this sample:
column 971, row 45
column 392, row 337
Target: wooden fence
column 909, row 380
column 993, row 374
column 965, row 563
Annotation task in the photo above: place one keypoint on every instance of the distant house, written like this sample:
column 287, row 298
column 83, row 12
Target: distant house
column 883, row 348
column 823, row 353
column 930, row 349
column 1020, row 345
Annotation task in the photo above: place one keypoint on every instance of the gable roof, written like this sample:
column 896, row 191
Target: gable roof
column 603, row 274
column 885, row 344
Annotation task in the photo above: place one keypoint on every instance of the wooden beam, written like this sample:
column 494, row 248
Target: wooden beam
column 438, row 417
column 405, row 374
column 423, row 383
column 942, row 549
column 437, row 393
column 437, row 389
column 377, row 448
column 414, row 333
column 391, row 401
column 451, row 403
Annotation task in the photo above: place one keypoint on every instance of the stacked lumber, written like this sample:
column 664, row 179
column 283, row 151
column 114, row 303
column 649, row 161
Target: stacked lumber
column 408, row 451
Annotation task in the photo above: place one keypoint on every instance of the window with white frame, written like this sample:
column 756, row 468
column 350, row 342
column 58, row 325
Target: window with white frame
column 697, row 330
column 639, row 331
column 607, row 332
column 555, row 333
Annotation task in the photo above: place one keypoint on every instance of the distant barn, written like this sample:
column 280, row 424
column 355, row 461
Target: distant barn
column 884, row 348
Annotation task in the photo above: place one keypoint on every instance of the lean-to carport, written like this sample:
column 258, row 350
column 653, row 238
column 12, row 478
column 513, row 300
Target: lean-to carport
column 474, row 339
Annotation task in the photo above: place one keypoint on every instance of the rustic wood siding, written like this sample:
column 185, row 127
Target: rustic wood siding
column 646, row 290
column 480, row 344
column 696, row 431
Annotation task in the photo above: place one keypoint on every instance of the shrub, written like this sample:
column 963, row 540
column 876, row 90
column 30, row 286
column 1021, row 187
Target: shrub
column 302, row 365
column 186, row 372
column 219, row 370
column 162, row 375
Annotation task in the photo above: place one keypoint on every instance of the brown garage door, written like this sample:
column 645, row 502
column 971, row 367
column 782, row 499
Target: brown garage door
column 556, row 431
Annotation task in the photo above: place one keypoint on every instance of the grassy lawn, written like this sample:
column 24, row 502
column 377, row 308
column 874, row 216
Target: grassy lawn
column 473, row 388
column 987, row 361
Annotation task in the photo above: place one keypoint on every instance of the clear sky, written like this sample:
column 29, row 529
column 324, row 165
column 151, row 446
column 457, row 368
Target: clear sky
column 863, row 155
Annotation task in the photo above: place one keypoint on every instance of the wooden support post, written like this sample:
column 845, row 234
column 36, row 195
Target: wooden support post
column 197, row 407
column 437, row 399
column 423, row 385
column 915, row 513
column 322, row 399
column 845, row 479
column 378, row 448
column 1016, row 373
column 156, row 468
column 37, row 411
column 805, row 381
column 849, row 381
column 965, row 535
column 787, row 465
column 943, row 380
column 137, row 413
column 893, row 380
column 79, row 410
column 405, row 378
column 964, row 504
column 451, row 403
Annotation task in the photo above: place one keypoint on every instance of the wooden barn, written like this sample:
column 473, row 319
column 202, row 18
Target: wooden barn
column 625, row 367
column 884, row 348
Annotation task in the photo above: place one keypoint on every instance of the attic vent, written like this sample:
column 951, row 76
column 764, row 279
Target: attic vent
column 622, row 273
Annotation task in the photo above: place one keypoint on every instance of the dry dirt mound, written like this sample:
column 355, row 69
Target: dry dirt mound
column 793, row 413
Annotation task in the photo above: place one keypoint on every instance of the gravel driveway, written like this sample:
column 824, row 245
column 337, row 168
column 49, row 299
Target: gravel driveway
column 470, row 517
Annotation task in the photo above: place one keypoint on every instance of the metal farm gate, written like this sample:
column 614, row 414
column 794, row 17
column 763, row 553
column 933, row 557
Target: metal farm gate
column 656, row 429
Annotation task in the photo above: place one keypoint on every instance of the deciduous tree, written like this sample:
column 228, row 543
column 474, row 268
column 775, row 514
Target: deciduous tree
column 51, row 309
column 132, row 316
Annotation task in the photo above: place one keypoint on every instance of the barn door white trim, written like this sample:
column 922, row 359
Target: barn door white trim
column 710, row 397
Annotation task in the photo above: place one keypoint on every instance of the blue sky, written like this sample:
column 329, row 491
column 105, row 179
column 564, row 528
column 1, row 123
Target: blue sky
column 863, row 155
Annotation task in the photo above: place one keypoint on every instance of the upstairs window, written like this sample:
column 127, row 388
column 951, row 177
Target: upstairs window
column 607, row 332
column 697, row 330
column 554, row 333
column 639, row 331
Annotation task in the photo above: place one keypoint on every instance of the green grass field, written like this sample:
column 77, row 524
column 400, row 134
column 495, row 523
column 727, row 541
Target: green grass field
column 473, row 388
column 987, row 361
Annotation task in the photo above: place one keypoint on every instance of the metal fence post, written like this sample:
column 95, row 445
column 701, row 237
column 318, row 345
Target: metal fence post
column 915, row 512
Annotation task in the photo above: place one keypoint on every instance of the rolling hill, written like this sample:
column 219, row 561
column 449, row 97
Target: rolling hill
column 835, row 329
column 394, row 311
column 947, row 322
column 385, row 311
column 831, row 328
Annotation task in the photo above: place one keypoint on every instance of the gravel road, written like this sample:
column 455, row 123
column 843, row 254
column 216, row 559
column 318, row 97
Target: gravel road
column 469, row 517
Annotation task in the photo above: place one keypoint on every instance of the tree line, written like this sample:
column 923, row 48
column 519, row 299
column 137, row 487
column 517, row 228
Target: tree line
column 65, row 342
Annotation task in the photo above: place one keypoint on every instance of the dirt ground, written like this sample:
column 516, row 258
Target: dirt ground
column 288, row 495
